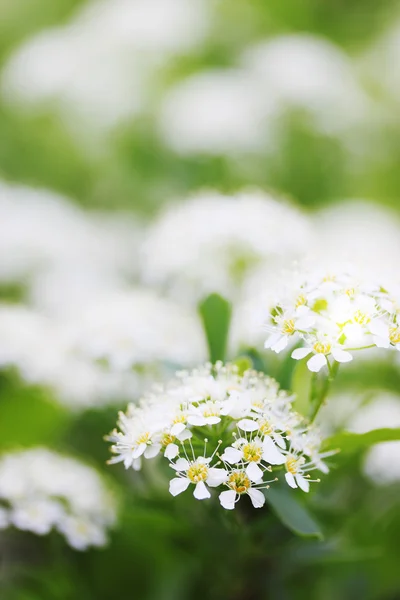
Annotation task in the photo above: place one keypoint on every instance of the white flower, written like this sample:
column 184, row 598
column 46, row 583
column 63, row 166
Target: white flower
column 321, row 349
column 253, row 453
column 80, row 533
column 289, row 324
column 294, row 475
column 239, row 484
column 199, row 473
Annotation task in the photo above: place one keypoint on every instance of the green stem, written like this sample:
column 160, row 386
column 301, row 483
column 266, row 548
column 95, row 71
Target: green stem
column 318, row 394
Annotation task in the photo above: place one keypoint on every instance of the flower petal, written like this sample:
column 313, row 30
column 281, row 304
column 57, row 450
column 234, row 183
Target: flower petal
column 171, row 451
column 228, row 499
column 181, row 465
column 316, row 362
column 139, row 451
column 177, row 428
column 281, row 344
column 271, row 453
column 300, row 353
column 201, row 492
column 152, row 450
column 290, row 480
column 178, row 485
column 341, row 356
column 253, row 472
column 303, row 483
column 232, row 455
column 257, row 498
column 247, row 425
column 216, row 476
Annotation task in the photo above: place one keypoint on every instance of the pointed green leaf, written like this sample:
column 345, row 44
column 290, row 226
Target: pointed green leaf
column 215, row 313
column 292, row 514
column 348, row 442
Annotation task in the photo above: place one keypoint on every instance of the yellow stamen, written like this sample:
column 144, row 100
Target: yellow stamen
column 394, row 335
column 197, row 472
column 321, row 348
column 239, row 482
column 252, row 452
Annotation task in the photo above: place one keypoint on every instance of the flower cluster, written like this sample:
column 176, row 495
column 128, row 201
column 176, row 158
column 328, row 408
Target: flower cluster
column 41, row 490
column 218, row 428
column 333, row 316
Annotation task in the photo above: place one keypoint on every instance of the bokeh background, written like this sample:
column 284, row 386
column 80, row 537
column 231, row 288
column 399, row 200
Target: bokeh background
column 153, row 152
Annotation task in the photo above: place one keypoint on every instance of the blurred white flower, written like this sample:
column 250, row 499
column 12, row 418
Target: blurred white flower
column 382, row 463
column 304, row 71
column 42, row 490
column 43, row 235
column 215, row 112
column 137, row 328
column 212, row 243
column 382, row 412
column 99, row 69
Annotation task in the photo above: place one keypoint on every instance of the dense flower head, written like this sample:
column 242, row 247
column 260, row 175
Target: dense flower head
column 41, row 490
column 333, row 315
column 218, row 428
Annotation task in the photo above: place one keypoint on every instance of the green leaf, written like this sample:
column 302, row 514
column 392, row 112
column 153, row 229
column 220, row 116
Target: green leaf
column 292, row 514
column 215, row 313
column 348, row 442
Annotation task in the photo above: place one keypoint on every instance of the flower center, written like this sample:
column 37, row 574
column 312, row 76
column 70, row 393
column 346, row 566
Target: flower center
column 288, row 327
column 361, row 318
column 197, row 472
column 179, row 418
column 321, row 348
column 301, row 301
column 239, row 482
column 211, row 410
column 265, row 427
column 292, row 464
column 143, row 439
column 252, row 452
column 167, row 438
column 394, row 335
column 350, row 292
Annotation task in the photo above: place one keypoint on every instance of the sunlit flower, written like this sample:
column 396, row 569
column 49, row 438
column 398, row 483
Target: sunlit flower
column 342, row 315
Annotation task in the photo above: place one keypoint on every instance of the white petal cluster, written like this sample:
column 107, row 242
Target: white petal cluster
column 211, row 243
column 41, row 491
column 332, row 316
column 60, row 254
column 217, row 428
